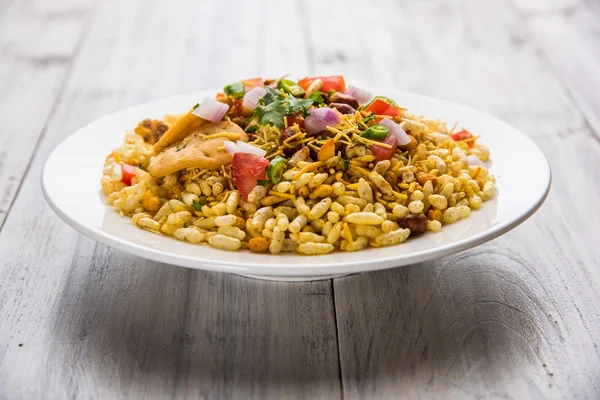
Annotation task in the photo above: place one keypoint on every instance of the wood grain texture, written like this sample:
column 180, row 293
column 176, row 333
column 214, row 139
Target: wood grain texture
column 37, row 47
column 515, row 318
column 79, row 320
column 577, row 59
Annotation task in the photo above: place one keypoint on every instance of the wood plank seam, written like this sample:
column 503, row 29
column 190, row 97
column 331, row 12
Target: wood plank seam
column 55, row 103
column 337, row 338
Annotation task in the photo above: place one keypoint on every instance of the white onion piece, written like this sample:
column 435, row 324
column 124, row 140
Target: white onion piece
column 361, row 95
column 474, row 160
column 231, row 147
column 211, row 109
column 251, row 98
column 321, row 118
column 248, row 148
column 396, row 131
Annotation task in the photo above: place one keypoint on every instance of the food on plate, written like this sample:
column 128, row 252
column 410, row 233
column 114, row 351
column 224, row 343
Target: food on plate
column 309, row 166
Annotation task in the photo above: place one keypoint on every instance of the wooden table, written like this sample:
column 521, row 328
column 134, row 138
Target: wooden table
column 518, row 317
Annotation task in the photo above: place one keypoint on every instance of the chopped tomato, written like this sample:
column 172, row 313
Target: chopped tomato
column 295, row 119
column 128, row 172
column 335, row 83
column 248, row 168
column 221, row 97
column 236, row 109
column 383, row 153
column 382, row 107
column 463, row 135
column 252, row 83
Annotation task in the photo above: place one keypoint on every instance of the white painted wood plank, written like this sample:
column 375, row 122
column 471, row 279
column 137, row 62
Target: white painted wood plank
column 516, row 318
column 37, row 45
column 537, row 7
column 577, row 58
column 96, row 323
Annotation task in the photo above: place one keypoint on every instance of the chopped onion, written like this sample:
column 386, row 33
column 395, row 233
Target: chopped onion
column 396, row 131
column 211, row 109
column 248, row 148
column 361, row 95
column 251, row 98
column 231, row 147
column 321, row 118
column 474, row 160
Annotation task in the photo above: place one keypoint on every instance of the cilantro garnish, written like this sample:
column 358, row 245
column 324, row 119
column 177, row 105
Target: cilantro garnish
column 317, row 98
column 330, row 92
column 263, row 182
column 274, row 106
column 185, row 224
column 197, row 206
column 196, row 106
column 271, row 96
column 234, row 90
column 345, row 165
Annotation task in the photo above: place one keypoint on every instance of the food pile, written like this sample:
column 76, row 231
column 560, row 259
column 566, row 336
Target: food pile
column 309, row 166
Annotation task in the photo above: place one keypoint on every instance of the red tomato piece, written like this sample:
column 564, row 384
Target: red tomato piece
column 335, row 83
column 252, row 83
column 383, row 153
column 295, row 119
column 221, row 97
column 236, row 109
column 462, row 135
column 382, row 107
column 128, row 172
column 247, row 170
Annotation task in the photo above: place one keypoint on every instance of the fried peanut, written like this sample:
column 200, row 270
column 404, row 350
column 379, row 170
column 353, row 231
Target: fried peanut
column 259, row 244
column 416, row 223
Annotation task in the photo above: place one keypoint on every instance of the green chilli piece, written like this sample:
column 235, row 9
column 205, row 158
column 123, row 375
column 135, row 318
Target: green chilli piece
column 290, row 87
column 276, row 169
column 376, row 132
column 235, row 90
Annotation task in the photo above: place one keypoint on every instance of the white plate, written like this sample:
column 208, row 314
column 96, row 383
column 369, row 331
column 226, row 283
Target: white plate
column 521, row 170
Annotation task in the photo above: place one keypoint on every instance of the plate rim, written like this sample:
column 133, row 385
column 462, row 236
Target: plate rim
column 308, row 267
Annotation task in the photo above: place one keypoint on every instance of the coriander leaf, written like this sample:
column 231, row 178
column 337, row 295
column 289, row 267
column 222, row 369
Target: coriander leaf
column 197, row 206
column 234, row 90
column 299, row 105
column 345, row 165
column 263, row 182
column 330, row 92
column 271, row 96
column 273, row 107
column 273, row 114
column 185, row 224
column 196, row 106
column 317, row 98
